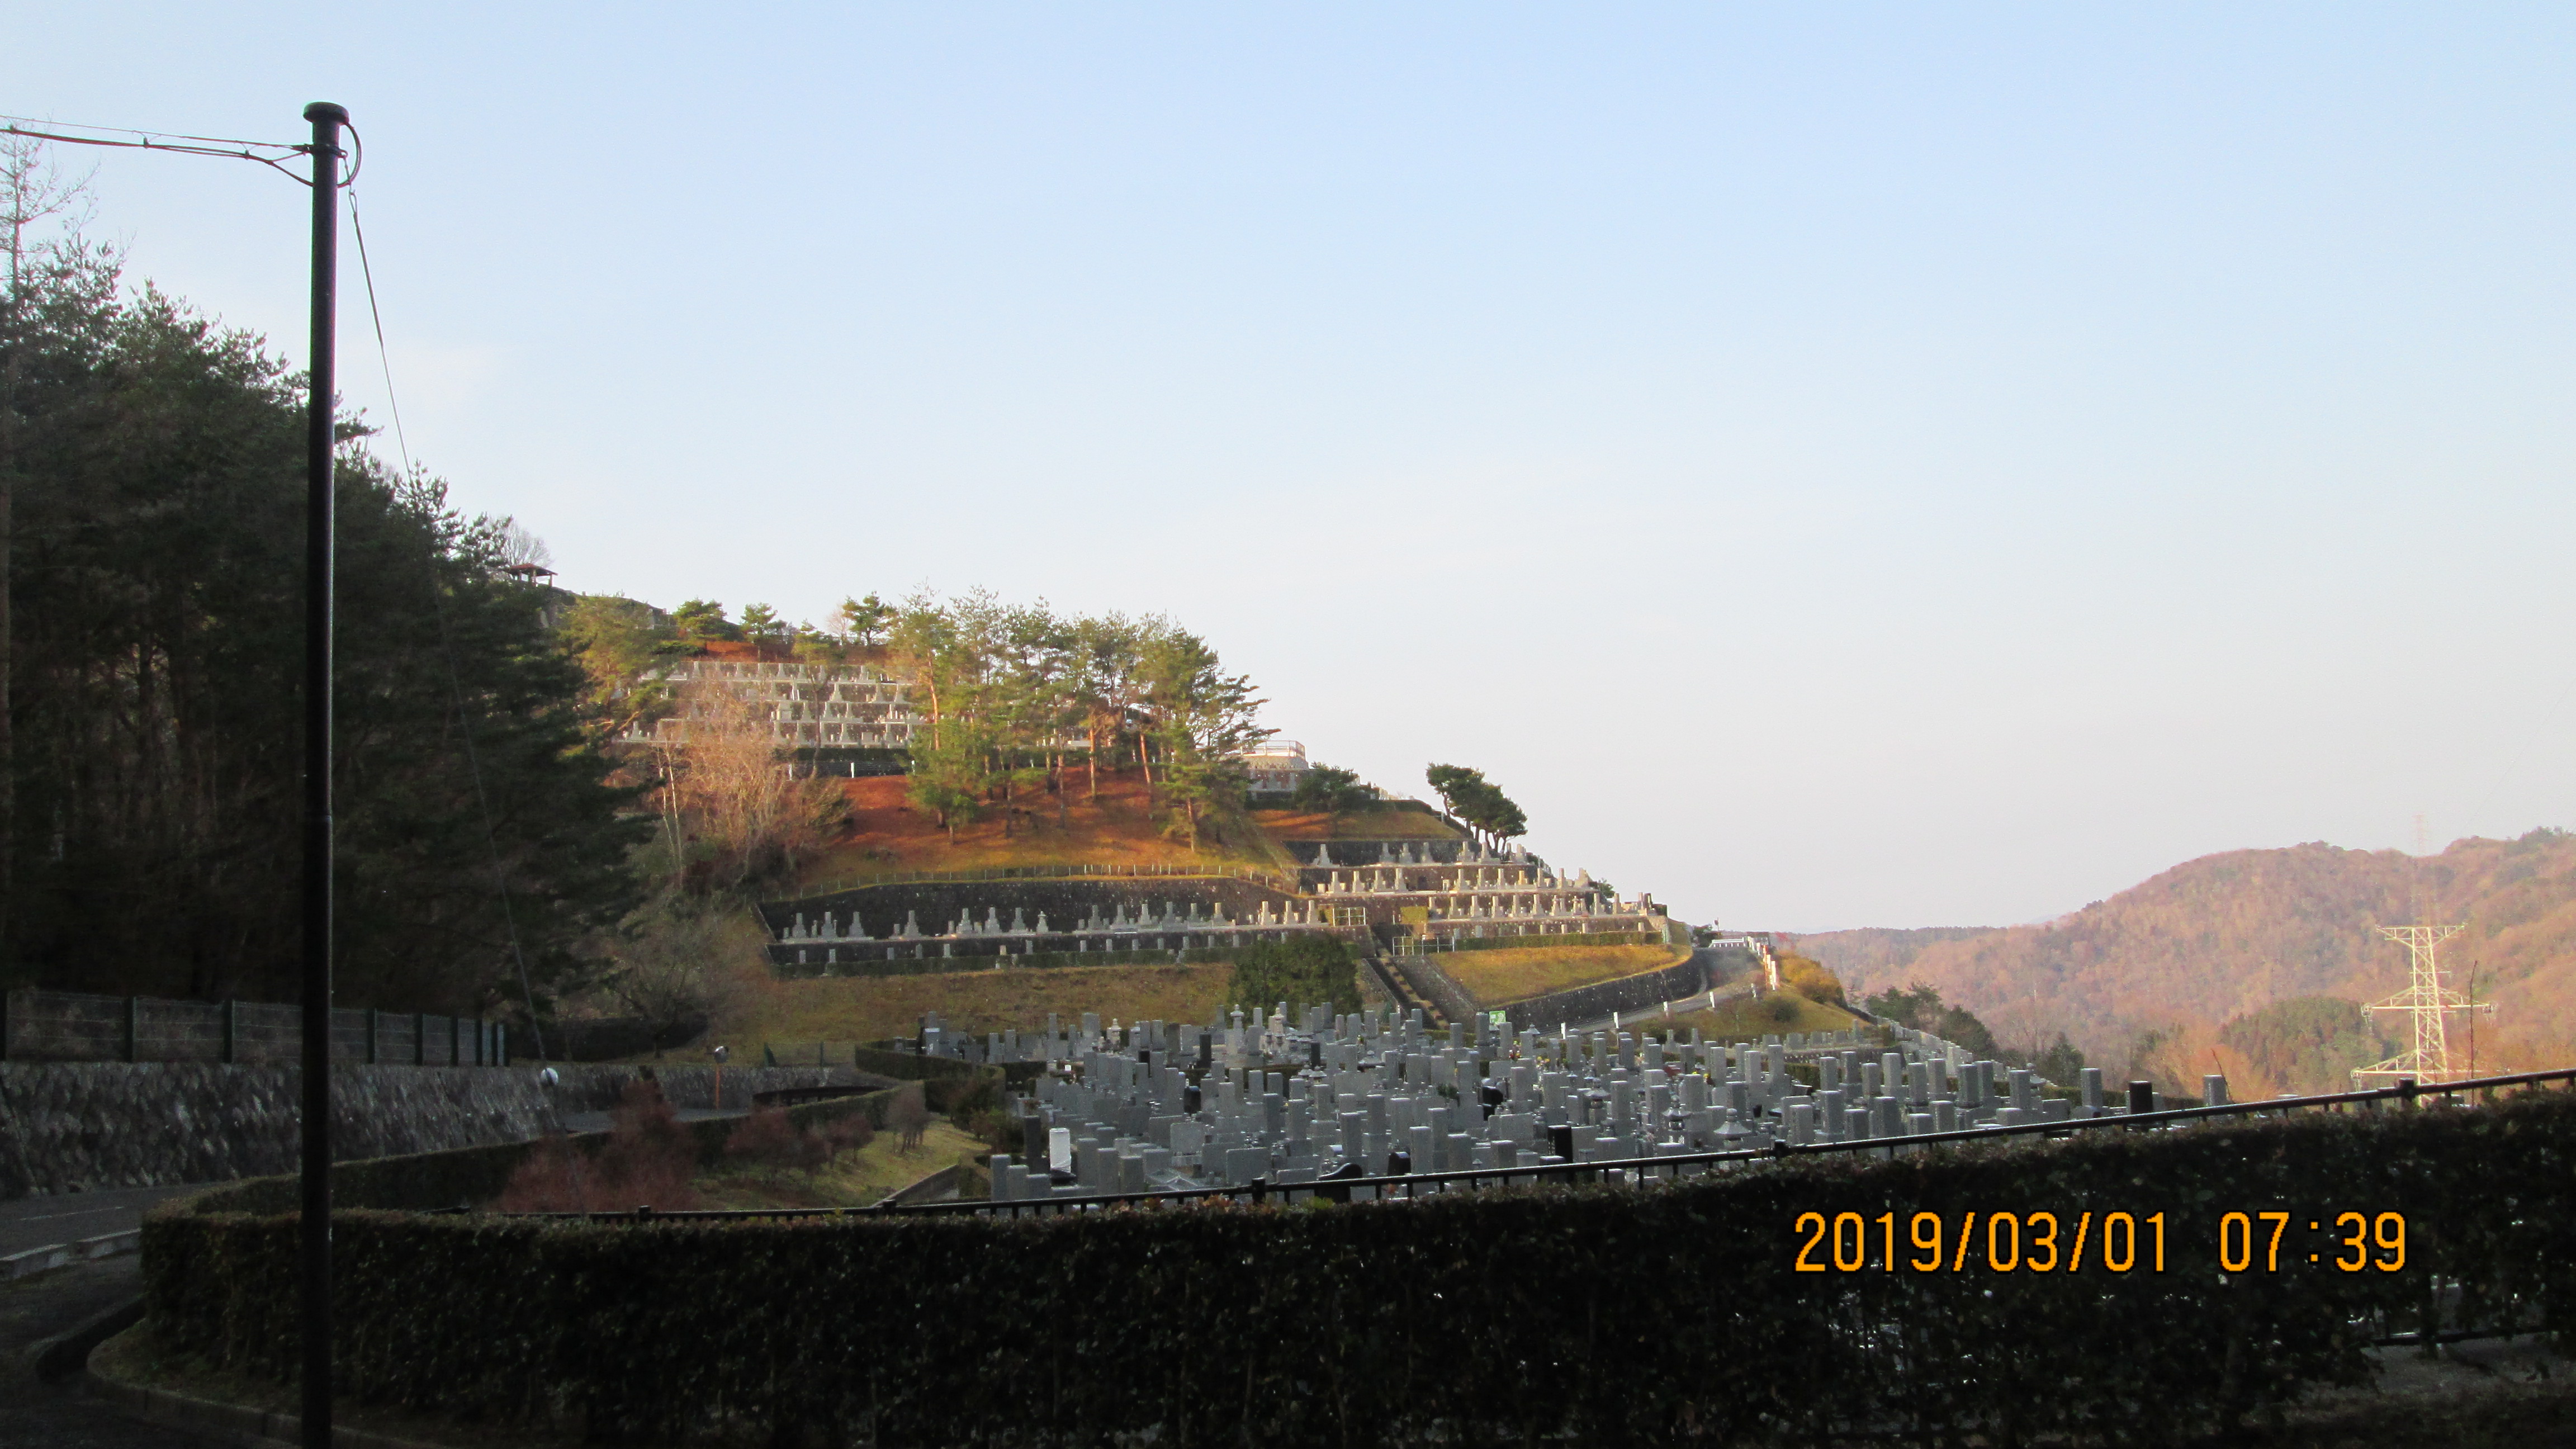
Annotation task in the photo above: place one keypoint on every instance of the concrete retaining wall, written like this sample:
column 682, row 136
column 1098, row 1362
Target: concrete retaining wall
column 87, row 1126
column 1437, row 987
column 1640, row 992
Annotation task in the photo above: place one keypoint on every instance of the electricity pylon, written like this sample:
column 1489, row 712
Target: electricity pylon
column 2427, row 1004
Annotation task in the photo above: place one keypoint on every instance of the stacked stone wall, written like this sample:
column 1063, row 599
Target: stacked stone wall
column 87, row 1126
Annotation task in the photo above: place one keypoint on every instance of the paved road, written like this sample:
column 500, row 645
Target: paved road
column 36, row 1222
column 32, row 1414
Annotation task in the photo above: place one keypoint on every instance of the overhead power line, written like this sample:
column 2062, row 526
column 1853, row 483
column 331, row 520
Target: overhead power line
column 271, row 154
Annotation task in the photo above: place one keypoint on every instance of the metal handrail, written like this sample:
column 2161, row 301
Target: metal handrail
column 1258, row 1190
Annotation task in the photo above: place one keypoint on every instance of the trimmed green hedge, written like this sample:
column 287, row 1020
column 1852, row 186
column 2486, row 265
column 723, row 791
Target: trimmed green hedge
column 1606, row 1314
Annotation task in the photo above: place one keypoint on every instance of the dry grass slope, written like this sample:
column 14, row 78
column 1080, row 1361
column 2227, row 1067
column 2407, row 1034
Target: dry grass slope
column 886, row 834
column 873, row 1009
column 1497, row 977
column 1781, row 1011
column 854, row 1179
column 1360, row 825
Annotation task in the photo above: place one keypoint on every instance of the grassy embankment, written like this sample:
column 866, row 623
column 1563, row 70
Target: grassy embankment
column 875, row 1008
column 1497, row 977
column 886, row 834
column 852, row 1179
column 1779, row 1011
column 1388, row 824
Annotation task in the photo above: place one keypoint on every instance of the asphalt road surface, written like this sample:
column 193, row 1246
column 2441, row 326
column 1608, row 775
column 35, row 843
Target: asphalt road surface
column 33, row 1414
column 35, row 1222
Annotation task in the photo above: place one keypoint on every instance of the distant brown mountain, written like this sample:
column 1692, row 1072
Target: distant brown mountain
column 1880, row 955
column 2228, row 936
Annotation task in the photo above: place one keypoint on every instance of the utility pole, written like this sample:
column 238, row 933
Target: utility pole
column 320, row 445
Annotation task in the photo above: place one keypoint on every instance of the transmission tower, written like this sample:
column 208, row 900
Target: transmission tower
column 2427, row 1004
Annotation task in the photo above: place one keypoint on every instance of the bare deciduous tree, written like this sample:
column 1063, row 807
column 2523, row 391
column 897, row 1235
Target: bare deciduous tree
column 732, row 798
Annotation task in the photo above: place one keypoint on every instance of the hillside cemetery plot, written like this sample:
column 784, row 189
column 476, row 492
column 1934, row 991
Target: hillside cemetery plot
column 1295, row 1097
column 1473, row 897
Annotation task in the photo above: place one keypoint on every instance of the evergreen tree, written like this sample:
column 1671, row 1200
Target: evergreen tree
column 1303, row 970
column 1474, row 802
column 700, row 620
column 761, row 624
column 1201, row 724
column 862, row 621
column 1335, row 792
column 618, row 642
column 155, row 568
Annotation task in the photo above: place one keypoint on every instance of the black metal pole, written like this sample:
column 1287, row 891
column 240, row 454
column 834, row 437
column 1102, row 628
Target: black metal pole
column 319, row 446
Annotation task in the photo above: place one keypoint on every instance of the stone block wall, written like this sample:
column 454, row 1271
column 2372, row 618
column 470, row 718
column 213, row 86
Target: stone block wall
column 87, row 1126
column 1435, row 986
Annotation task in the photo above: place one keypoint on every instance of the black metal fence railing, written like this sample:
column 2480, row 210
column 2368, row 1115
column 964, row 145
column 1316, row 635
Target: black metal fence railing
column 1400, row 1187
column 77, row 1026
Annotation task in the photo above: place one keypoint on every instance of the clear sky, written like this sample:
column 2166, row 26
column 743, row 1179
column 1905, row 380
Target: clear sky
column 1834, row 465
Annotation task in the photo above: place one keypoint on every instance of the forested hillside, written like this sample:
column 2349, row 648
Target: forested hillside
column 1880, row 955
column 2187, row 970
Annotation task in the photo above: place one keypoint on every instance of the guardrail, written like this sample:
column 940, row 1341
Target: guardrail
column 1643, row 1168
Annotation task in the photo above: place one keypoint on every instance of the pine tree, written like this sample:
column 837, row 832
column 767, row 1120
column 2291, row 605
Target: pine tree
column 155, row 572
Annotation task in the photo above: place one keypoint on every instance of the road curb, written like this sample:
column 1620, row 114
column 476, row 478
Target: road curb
column 62, row 1255
column 60, row 1356
column 236, row 1424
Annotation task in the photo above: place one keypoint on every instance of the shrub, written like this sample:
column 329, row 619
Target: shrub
column 1810, row 979
column 551, row 1179
column 767, row 1139
column 1586, row 1315
column 908, row 1117
column 648, row 1161
column 1300, row 969
column 848, row 1134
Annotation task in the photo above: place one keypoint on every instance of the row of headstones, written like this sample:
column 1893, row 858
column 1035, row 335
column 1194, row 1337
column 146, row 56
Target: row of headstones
column 1423, row 854
column 1608, row 1098
column 1519, row 907
column 1298, row 1122
column 831, row 927
column 1393, row 880
column 1124, row 943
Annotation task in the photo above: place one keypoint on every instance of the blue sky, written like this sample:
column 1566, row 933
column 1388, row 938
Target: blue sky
column 1853, row 465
